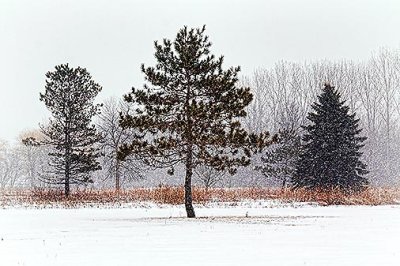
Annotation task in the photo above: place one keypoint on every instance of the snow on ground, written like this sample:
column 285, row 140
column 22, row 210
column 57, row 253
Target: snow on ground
column 250, row 233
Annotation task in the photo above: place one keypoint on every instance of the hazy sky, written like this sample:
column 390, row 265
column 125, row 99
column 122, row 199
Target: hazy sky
column 112, row 38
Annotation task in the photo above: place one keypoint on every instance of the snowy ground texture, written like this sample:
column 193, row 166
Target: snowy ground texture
column 247, row 233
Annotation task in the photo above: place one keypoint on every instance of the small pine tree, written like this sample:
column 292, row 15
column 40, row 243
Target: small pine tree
column 330, row 157
column 69, row 95
column 280, row 159
column 190, row 113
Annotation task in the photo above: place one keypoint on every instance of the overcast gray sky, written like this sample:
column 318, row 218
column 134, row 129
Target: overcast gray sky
column 112, row 38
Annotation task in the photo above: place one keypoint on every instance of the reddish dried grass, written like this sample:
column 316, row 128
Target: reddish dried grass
column 175, row 195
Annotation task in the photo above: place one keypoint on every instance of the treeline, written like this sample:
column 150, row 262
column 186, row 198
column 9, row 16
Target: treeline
column 284, row 94
column 195, row 119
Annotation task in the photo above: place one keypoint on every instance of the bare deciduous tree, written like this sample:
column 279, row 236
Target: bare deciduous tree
column 208, row 176
column 10, row 166
column 114, row 137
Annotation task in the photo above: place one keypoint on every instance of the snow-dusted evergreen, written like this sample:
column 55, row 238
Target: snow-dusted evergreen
column 69, row 96
column 330, row 156
column 189, row 113
column 280, row 159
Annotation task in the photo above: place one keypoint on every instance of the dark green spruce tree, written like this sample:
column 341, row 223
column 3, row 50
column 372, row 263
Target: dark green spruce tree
column 188, row 112
column 69, row 95
column 330, row 156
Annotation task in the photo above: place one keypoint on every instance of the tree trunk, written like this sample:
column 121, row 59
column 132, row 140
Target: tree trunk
column 188, row 184
column 67, row 174
column 283, row 185
column 67, row 159
column 117, row 177
column 67, row 190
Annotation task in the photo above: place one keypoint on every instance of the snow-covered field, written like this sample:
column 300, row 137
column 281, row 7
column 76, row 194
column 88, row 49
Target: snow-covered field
column 251, row 233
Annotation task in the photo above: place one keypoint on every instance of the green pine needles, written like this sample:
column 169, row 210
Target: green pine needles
column 71, row 136
column 330, row 156
column 188, row 113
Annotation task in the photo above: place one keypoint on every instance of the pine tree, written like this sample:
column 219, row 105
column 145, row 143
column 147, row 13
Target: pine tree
column 330, row 157
column 69, row 95
column 280, row 159
column 189, row 114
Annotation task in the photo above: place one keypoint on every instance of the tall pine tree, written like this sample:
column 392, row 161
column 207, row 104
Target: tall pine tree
column 189, row 113
column 330, row 156
column 69, row 95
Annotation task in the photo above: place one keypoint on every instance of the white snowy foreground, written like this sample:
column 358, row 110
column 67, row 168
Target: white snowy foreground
column 146, row 234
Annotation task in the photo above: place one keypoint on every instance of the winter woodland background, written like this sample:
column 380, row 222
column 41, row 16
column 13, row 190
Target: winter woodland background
column 282, row 98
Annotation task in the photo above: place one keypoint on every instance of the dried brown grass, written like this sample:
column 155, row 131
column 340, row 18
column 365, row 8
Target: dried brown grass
column 175, row 195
